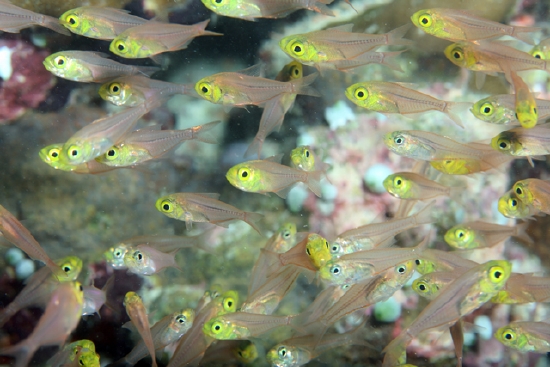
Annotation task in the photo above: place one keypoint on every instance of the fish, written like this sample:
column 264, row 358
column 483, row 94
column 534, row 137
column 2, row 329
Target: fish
column 147, row 144
column 40, row 286
column 295, row 256
column 432, row 260
column 275, row 108
column 91, row 66
column 78, row 353
column 541, row 50
column 525, row 336
column 318, row 250
column 511, row 206
column 51, row 156
column 167, row 243
column 60, row 318
column 94, row 299
column 138, row 316
column 204, row 207
column 500, row 109
column 19, row 236
column 462, row 25
column 13, row 19
column 302, row 158
column 336, row 44
column 247, row 87
column 430, row 285
column 412, row 186
column 467, row 293
column 526, row 105
column 96, row 138
column 230, row 351
column 147, row 260
column 479, row 234
column 524, row 288
column 284, row 239
column 133, row 90
column 252, row 9
column 166, row 331
column 99, row 22
column 268, row 175
column 521, row 142
column 386, row 97
column 153, row 38
column 534, row 192
column 115, row 255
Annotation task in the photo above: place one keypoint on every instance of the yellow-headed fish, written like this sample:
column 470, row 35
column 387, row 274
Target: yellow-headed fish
column 78, row 353
column 430, row 285
column 115, row 255
column 268, row 175
column 461, row 25
column 204, row 207
column 152, row 38
column 50, row 155
column 511, row 206
column 473, row 235
column 386, row 97
column 318, row 250
column 542, row 50
column 244, row 325
column 523, row 143
column 524, row 288
column 412, row 186
column 99, row 22
column 526, row 105
column 525, row 336
column 147, row 260
column 13, row 19
column 432, row 260
column 138, row 315
column 534, row 192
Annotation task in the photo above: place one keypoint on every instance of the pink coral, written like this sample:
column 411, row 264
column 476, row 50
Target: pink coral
column 29, row 82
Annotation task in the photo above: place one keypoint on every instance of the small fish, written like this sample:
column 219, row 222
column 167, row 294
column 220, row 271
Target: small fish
column 302, row 158
column 525, row 336
column 78, row 353
column 386, row 97
column 511, row 206
column 50, row 155
column 534, row 192
column 542, row 50
column 412, row 186
column 94, row 299
column 19, row 236
column 318, row 250
column 284, row 239
column 60, row 318
column 147, row 260
column 333, row 45
column 430, row 285
column 268, row 175
column 133, row 90
column 500, row 109
column 13, row 19
column 520, row 142
column 467, row 293
column 99, row 22
column 432, row 260
column 171, row 243
column 231, row 351
column 115, row 256
column 462, row 25
column 203, row 207
column 246, row 87
column 152, row 38
column 138, row 315
column 524, row 288
column 526, row 105
column 89, row 66
column 147, row 144
column 252, row 9
column 474, row 235
column 244, row 325
column 96, row 138
column 166, row 331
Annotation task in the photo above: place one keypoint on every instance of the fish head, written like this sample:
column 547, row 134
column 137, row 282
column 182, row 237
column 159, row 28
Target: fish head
column 431, row 22
column 359, row 94
column 282, row 356
column 75, row 22
column 523, row 192
column 495, row 274
column 509, row 336
column 334, row 272
column 489, row 110
column 208, row 89
column 125, row 46
column 540, row 52
column 51, row 156
column 228, row 302
column 459, row 54
column 245, row 177
column 459, row 237
column 67, row 67
column 526, row 113
column 398, row 186
column 246, row 352
column 299, row 48
column 182, row 321
column 318, row 250
column 169, row 206
column 71, row 267
column 115, row 256
column 302, row 158
column 138, row 262
column 118, row 93
column 424, row 287
column 504, row 142
column 425, row 266
column 219, row 328
column 87, row 358
column 511, row 206
column 290, row 71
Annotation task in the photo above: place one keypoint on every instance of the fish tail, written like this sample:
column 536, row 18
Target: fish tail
column 390, row 60
column 320, row 7
column 521, row 232
column 255, row 146
column 203, row 32
column 147, row 70
column 53, row 24
column 22, row 353
column 203, row 133
column 253, row 219
column 524, row 34
column 313, row 181
column 453, row 108
column 395, row 37
column 349, row 3
column 302, row 86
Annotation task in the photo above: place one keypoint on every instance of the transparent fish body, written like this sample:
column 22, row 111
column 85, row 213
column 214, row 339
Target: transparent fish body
column 412, row 186
column 472, row 235
column 542, row 50
column 526, row 105
column 115, row 255
column 432, row 260
column 94, row 299
column 524, row 288
column 147, row 260
column 243, row 325
column 525, row 336
column 511, row 206
column 430, row 285
column 521, row 142
column 50, row 155
column 534, row 192
column 138, row 315
column 500, row 109
column 99, row 22
column 13, row 19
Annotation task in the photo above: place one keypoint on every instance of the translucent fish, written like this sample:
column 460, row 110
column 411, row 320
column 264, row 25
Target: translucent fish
column 147, row 260
column 386, row 97
column 412, row 186
column 466, row 294
column 302, row 158
column 432, row 260
column 430, row 285
column 525, row 336
column 318, row 250
column 14, row 232
column 462, row 25
column 500, row 109
column 13, row 19
column 94, row 299
column 96, row 138
column 138, row 315
column 542, row 50
column 98, row 21
column 511, row 206
column 296, row 256
column 152, row 38
column 244, row 325
column 263, row 176
column 526, row 105
column 81, row 352
column 524, row 288
column 60, row 318
column 473, row 235
column 338, row 44
column 50, row 155
column 166, row 331
column 520, row 142
column 147, row 144
column 115, row 256
column 203, row 207
column 246, row 87
column 89, row 66
column 284, row 239
column 252, row 9
column 534, row 192
column 231, row 351
column 40, row 286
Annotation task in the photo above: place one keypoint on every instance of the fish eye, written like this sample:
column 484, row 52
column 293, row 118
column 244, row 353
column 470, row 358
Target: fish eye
column 459, row 233
column 326, row 244
column 138, row 256
column 297, row 48
column 73, row 152
column 425, row 20
column 457, row 54
column 307, row 251
column 335, row 270
column 286, row 234
column 503, row 144
column 361, row 93
column 111, row 154
column 217, row 327
column 306, row 153
column 509, row 334
column 181, row 319
column 80, row 287
column 535, row 110
column 418, row 262
column 398, row 140
column 281, row 352
column 295, row 72
column 115, row 88
column 229, row 304
column 120, row 46
column 244, row 174
column 72, row 20
column 205, row 89
column 218, row 2
column 117, row 254
column 486, row 109
column 401, row 269
column 167, row 206
column 519, row 190
column 60, row 62
column 81, row 361
column 496, row 274
column 66, row 268
column 538, row 55
column 422, row 287
column 512, row 203
column 397, row 181
column 335, row 248
column 54, row 154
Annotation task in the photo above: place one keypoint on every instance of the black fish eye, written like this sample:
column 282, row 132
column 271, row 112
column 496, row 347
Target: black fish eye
column 111, row 153
column 121, row 47
column 55, row 154
column 244, row 174
column 456, row 55
column 508, row 336
column 487, row 109
column 204, row 90
column 519, row 191
column 335, row 270
column 60, row 62
column 297, row 48
column 166, row 207
column 503, row 145
column 497, row 274
column 514, row 202
column 217, row 327
column 286, row 234
column 66, row 269
column 307, row 153
column 535, row 110
column 417, row 262
column 422, row 287
column 398, row 182
column 401, row 269
column 398, row 140
column 307, row 251
column 360, row 94
column 117, row 254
